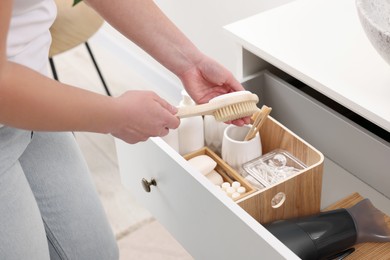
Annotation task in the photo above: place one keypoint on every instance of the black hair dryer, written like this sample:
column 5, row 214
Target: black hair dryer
column 329, row 233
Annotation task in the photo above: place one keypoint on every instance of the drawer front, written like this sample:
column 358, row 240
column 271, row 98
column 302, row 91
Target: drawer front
column 205, row 221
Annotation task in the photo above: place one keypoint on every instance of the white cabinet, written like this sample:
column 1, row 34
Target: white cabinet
column 209, row 224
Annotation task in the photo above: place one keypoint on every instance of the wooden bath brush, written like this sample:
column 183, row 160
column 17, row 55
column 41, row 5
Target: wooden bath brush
column 225, row 107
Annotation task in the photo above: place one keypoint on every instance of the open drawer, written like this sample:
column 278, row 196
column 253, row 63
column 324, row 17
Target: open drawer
column 206, row 222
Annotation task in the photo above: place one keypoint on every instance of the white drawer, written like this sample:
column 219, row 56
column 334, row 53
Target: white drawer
column 206, row 222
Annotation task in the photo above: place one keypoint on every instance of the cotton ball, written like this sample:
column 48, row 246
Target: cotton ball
column 241, row 190
column 225, row 185
column 230, row 191
column 235, row 195
column 236, row 184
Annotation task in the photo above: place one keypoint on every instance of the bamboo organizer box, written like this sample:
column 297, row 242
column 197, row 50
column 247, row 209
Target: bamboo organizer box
column 302, row 192
column 228, row 173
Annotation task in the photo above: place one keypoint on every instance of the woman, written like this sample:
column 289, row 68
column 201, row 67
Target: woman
column 49, row 208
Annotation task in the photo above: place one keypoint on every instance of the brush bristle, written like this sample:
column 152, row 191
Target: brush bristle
column 235, row 111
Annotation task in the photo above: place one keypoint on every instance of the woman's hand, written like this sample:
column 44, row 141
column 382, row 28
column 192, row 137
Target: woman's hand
column 208, row 79
column 143, row 114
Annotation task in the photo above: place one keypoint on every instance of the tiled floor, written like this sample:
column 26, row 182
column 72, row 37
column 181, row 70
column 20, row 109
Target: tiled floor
column 138, row 234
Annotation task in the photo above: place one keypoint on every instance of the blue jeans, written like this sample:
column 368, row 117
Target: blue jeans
column 49, row 207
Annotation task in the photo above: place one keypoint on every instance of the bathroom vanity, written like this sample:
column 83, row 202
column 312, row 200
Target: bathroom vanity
column 312, row 63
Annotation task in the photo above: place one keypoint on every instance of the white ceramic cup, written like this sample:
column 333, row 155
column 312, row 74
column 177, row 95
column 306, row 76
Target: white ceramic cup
column 236, row 151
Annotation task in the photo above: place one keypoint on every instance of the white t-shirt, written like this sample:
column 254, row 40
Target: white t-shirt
column 29, row 38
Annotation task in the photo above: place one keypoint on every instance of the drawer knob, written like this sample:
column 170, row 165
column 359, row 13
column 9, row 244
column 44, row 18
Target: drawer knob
column 146, row 184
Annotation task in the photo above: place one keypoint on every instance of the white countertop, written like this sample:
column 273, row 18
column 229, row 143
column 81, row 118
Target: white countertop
column 322, row 43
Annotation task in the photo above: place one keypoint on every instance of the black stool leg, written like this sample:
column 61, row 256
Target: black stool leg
column 97, row 69
column 53, row 68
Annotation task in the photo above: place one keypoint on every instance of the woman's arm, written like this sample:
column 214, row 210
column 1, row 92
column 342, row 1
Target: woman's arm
column 144, row 23
column 32, row 101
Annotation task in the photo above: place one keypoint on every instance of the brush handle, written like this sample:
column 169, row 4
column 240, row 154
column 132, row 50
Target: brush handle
column 197, row 110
